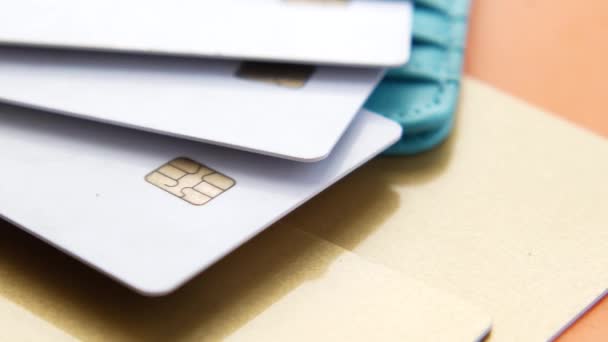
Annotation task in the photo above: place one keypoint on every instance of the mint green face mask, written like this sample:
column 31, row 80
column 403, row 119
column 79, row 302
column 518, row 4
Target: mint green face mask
column 423, row 94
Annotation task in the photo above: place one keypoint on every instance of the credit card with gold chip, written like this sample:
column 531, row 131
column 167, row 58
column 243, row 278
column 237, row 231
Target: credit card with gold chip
column 290, row 111
column 153, row 211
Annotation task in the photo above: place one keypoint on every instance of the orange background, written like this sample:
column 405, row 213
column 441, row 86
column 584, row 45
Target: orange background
column 553, row 54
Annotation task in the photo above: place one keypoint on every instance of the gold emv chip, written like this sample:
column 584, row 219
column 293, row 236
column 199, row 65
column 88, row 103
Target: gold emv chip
column 191, row 181
column 281, row 74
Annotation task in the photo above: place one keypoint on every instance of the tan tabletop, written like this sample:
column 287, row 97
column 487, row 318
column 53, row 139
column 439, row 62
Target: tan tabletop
column 552, row 54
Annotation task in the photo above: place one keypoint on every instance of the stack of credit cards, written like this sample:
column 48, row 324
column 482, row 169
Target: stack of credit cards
column 150, row 139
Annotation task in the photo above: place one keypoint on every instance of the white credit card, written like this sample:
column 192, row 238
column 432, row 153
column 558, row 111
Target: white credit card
column 153, row 211
column 356, row 32
column 290, row 111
